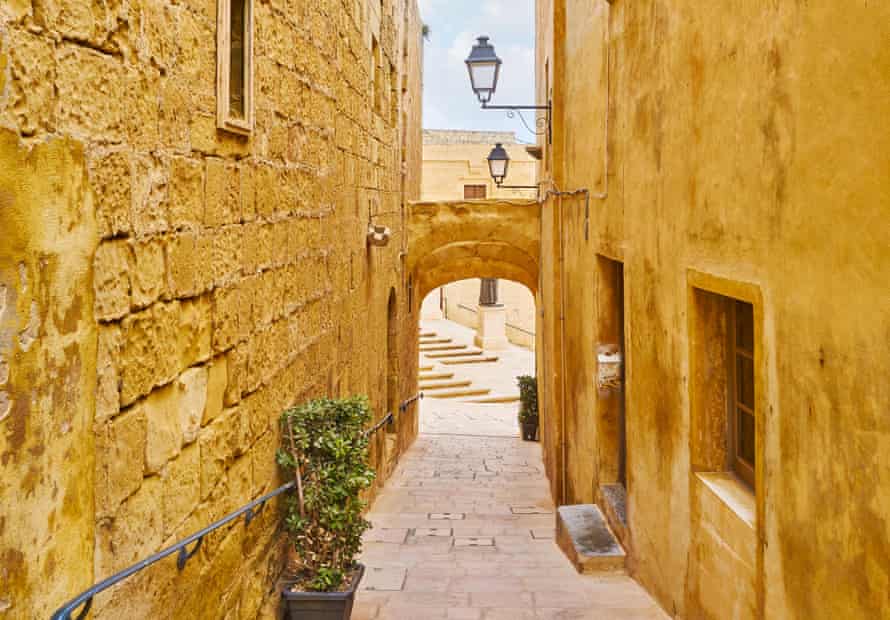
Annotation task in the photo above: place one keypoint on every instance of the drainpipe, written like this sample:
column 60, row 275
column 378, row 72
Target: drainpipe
column 562, row 352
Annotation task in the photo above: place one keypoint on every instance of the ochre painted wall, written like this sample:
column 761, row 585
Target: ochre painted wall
column 166, row 289
column 739, row 150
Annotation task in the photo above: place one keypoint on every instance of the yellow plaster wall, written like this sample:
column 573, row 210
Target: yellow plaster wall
column 744, row 155
column 47, row 374
column 166, row 289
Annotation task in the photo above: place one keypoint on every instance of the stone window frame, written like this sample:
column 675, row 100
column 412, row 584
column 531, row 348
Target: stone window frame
column 705, row 457
column 225, row 120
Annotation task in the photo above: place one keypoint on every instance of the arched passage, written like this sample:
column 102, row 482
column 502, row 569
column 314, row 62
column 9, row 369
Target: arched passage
column 456, row 241
column 449, row 241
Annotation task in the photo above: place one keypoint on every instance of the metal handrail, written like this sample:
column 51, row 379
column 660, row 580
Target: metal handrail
column 390, row 417
column 86, row 598
column 250, row 511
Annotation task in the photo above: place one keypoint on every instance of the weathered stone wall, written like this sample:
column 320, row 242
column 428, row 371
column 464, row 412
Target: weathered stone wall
column 166, row 289
column 742, row 150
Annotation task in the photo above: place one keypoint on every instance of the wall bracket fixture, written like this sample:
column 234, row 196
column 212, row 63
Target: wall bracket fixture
column 378, row 236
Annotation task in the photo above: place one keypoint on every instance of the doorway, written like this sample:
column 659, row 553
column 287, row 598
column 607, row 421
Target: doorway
column 611, row 372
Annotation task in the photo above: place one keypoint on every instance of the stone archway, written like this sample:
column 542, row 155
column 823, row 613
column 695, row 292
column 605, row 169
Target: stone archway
column 456, row 240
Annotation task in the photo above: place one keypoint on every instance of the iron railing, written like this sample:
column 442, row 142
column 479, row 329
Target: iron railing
column 249, row 511
column 390, row 417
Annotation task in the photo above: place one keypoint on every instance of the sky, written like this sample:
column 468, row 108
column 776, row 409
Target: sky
column 448, row 100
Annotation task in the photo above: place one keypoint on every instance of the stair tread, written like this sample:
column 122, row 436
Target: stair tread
column 585, row 537
column 443, row 347
column 454, row 354
column 497, row 398
column 441, row 385
column 458, row 393
column 432, row 376
column 470, row 360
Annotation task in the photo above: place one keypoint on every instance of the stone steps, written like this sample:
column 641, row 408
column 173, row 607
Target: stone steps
column 587, row 541
column 458, row 393
column 441, row 385
column 470, row 360
column 427, row 334
column 454, row 354
column 425, row 368
column 424, row 341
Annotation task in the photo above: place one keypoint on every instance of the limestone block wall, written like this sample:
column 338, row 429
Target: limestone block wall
column 734, row 152
column 167, row 288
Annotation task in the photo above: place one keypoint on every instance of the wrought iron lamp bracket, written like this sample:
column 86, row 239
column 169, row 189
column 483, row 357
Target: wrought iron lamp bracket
column 543, row 124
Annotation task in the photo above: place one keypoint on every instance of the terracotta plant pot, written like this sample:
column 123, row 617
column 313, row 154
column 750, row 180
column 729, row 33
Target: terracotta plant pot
column 322, row 605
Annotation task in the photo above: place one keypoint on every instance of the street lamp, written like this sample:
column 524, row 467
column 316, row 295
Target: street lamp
column 498, row 164
column 484, row 68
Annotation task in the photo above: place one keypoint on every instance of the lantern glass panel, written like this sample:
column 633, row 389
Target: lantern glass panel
column 498, row 168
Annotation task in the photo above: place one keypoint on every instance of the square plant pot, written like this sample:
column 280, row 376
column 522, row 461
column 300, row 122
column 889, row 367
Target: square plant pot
column 322, row 605
column 529, row 431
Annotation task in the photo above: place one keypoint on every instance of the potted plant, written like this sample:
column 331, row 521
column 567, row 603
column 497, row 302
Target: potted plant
column 528, row 407
column 325, row 448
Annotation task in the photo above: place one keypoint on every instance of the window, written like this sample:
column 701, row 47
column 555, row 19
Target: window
column 723, row 373
column 473, row 192
column 742, row 409
column 234, row 66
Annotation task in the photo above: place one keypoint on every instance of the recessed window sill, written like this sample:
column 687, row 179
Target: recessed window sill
column 732, row 492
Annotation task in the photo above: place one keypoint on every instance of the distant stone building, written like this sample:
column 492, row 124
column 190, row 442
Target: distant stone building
column 455, row 167
column 185, row 194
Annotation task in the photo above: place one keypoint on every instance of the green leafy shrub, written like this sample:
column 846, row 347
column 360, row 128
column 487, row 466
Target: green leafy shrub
column 528, row 398
column 324, row 447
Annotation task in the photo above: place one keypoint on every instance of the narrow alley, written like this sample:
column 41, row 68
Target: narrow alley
column 465, row 527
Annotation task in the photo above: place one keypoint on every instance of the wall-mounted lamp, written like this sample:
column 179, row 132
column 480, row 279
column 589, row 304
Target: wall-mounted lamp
column 499, row 164
column 484, row 68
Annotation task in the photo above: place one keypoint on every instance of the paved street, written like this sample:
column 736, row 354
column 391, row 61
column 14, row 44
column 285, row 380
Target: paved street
column 465, row 530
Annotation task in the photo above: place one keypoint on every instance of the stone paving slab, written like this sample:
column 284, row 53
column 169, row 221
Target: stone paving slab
column 492, row 555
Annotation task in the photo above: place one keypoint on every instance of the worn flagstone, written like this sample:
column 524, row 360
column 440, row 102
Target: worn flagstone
column 465, row 530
